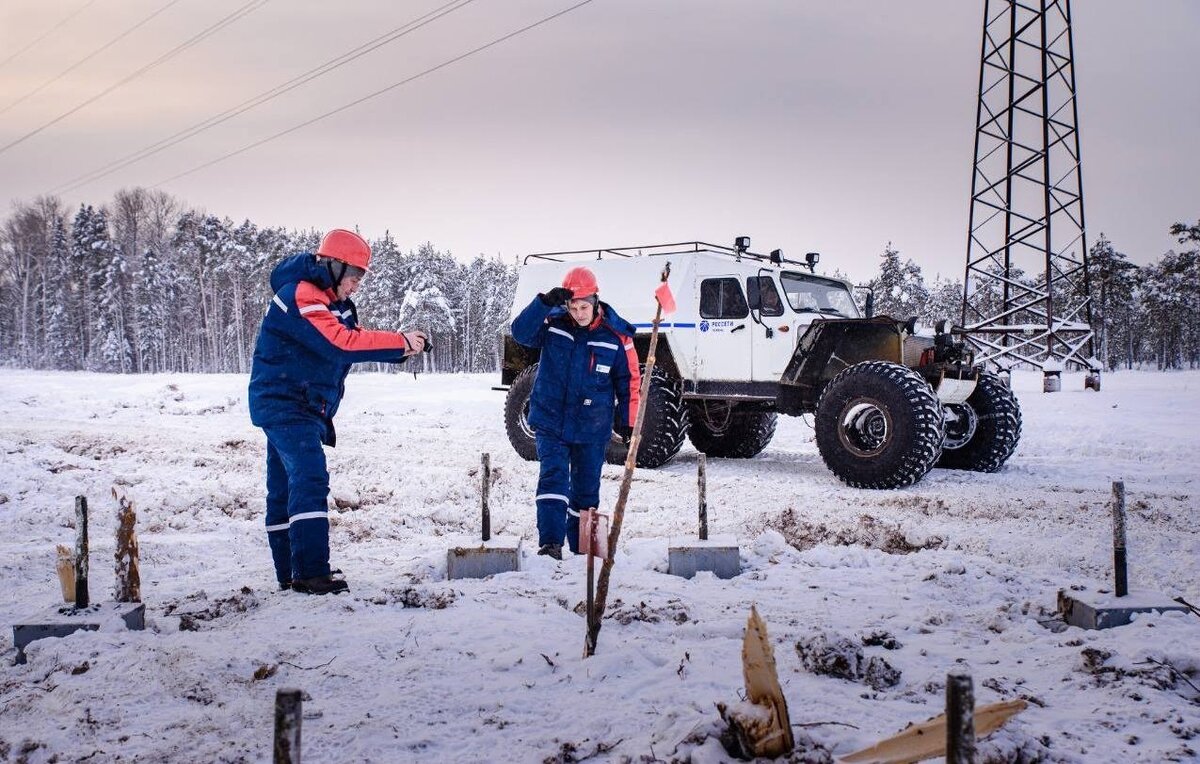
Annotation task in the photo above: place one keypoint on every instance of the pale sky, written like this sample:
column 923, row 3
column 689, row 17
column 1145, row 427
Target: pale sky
column 827, row 126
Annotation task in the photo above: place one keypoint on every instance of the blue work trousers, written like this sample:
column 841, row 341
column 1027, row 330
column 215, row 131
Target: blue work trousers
column 297, row 506
column 569, row 481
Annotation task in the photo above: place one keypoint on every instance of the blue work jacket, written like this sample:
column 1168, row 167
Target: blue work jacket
column 582, row 372
column 306, row 343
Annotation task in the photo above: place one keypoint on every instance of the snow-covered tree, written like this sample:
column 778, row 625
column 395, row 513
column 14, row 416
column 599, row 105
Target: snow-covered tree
column 899, row 288
column 944, row 302
column 110, row 349
column 425, row 305
column 1113, row 282
column 154, row 304
column 64, row 339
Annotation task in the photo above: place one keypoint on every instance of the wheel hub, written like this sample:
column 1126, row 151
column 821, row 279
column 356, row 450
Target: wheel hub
column 961, row 422
column 864, row 426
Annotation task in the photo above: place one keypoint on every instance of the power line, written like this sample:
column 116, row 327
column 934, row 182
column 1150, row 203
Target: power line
column 261, row 98
column 86, row 58
column 49, row 32
column 210, row 30
column 369, row 96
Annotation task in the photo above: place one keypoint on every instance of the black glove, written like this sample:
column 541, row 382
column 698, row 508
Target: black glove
column 556, row 296
column 624, row 431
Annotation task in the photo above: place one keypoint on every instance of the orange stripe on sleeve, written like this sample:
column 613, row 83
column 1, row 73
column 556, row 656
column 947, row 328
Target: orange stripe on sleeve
column 635, row 377
column 313, row 304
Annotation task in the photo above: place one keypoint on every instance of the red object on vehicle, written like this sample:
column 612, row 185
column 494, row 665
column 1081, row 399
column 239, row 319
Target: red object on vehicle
column 665, row 298
column 581, row 281
column 347, row 247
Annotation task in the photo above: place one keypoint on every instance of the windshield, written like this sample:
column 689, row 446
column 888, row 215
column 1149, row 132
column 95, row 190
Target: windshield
column 813, row 294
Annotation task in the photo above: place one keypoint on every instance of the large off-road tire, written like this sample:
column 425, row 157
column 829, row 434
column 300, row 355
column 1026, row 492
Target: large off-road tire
column 516, row 415
column 879, row 425
column 721, row 429
column 992, row 420
column 663, row 427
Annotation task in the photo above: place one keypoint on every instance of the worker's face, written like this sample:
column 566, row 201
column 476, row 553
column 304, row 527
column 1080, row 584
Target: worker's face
column 348, row 286
column 582, row 311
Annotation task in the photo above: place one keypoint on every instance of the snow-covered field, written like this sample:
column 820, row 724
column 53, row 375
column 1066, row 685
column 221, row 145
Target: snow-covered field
column 961, row 570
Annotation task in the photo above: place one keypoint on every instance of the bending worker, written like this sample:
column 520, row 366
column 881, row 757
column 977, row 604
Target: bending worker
column 308, row 340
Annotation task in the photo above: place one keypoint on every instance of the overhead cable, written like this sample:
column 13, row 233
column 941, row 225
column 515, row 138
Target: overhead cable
column 49, row 32
column 374, row 94
column 86, row 58
column 261, row 98
column 208, row 31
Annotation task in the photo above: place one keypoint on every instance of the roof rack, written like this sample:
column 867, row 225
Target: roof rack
column 654, row 250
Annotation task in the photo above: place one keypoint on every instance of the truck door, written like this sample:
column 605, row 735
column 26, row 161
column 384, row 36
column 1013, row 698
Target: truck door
column 773, row 329
column 723, row 343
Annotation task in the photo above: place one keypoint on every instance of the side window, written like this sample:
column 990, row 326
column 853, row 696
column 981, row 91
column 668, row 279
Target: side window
column 764, row 297
column 722, row 298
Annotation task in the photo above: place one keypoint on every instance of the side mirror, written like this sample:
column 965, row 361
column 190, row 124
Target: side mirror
column 869, row 303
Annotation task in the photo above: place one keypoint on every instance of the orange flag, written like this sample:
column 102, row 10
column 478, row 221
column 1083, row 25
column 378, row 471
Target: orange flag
column 665, row 298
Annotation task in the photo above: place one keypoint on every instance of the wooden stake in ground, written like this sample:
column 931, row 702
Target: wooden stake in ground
column 662, row 295
column 81, row 553
column 288, row 714
column 129, row 578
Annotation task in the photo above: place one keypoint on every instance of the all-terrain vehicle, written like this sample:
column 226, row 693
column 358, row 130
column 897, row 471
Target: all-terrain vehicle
column 755, row 336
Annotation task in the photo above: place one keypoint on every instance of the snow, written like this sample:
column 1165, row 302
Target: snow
column 960, row 571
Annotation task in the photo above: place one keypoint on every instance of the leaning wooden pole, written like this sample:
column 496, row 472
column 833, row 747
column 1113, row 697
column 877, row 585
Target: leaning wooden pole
column 614, row 535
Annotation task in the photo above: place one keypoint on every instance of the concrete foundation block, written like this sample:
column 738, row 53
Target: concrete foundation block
column 480, row 559
column 62, row 620
column 1102, row 610
column 719, row 555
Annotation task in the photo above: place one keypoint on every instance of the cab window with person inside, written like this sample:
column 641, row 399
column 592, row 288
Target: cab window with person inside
column 764, row 297
column 722, row 298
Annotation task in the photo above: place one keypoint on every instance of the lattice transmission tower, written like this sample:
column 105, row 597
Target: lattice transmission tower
column 1025, row 294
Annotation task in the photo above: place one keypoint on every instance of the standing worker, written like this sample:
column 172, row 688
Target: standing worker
column 308, row 339
column 587, row 361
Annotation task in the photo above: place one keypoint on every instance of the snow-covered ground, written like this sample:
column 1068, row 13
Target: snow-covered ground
column 961, row 570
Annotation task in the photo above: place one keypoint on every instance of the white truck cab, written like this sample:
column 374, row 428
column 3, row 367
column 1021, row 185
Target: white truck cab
column 738, row 314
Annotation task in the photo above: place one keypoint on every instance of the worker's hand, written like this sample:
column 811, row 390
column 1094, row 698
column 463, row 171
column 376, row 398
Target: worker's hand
column 556, row 296
column 416, row 341
column 624, row 431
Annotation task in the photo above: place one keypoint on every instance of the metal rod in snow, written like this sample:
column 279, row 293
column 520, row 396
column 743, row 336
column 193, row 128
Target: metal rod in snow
column 960, row 718
column 702, row 485
column 81, row 553
column 1119, row 562
column 486, row 471
column 287, row 726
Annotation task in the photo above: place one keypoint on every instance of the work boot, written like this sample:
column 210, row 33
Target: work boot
column 551, row 550
column 285, row 586
column 330, row 584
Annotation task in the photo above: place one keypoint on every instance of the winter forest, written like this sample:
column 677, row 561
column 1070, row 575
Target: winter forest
column 146, row 284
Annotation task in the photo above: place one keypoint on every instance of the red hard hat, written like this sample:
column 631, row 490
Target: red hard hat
column 581, row 281
column 346, row 246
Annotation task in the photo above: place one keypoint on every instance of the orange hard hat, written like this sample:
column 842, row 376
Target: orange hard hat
column 347, row 247
column 581, row 281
